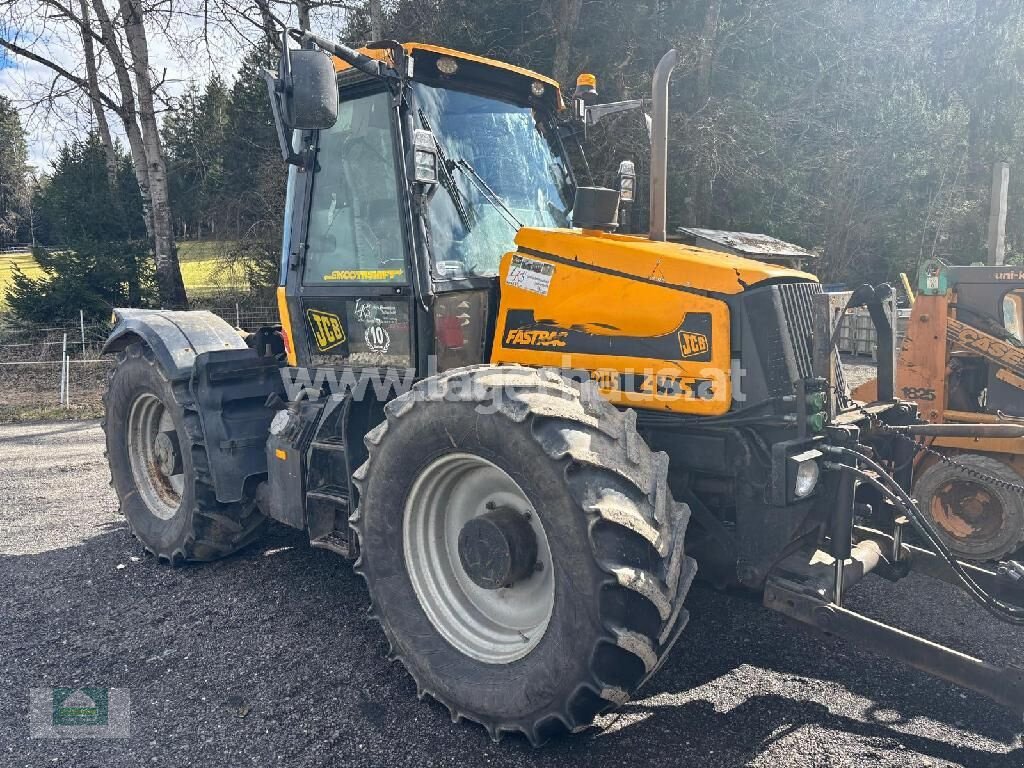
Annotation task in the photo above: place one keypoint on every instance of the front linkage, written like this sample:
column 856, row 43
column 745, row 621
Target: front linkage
column 869, row 454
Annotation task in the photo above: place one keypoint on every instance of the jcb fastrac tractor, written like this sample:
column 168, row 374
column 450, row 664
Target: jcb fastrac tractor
column 507, row 412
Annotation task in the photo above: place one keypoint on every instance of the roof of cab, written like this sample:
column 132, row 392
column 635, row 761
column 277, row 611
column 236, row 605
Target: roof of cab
column 411, row 48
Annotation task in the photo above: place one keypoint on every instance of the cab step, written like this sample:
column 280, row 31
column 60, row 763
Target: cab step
column 332, row 494
column 336, row 542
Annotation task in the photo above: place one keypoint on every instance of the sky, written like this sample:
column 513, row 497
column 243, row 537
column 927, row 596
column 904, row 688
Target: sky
column 178, row 55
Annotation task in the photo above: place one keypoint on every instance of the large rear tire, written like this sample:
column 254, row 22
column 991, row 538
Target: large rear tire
column 159, row 467
column 977, row 519
column 470, row 470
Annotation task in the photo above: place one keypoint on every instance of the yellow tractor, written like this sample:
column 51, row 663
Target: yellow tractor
column 526, row 427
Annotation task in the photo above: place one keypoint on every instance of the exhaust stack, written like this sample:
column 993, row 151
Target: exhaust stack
column 659, row 144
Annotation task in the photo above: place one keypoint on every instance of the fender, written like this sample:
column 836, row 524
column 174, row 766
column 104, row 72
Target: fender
column 229, row 384
column 176, row 338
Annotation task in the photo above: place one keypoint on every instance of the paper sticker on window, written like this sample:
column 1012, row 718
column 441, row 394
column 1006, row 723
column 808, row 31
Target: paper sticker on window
column 530, row 275
column 379, row 333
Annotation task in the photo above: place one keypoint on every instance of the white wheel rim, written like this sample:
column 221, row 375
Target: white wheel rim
column 161, row 493
column 495, row 626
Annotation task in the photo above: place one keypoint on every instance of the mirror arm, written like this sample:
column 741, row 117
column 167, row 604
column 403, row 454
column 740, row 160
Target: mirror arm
column 287, row 153
column 598, row 112
column 360, row 61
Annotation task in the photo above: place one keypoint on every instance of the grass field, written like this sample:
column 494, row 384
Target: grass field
column 203, row 267
column 7, row 264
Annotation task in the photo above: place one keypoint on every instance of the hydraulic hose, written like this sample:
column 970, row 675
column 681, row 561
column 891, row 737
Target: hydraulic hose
column 898, row 496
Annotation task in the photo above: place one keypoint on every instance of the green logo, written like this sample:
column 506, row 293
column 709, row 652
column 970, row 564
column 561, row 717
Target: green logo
column 80, row 706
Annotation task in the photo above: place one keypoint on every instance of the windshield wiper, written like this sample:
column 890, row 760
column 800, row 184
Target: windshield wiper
column 445, row 167
column 444, row 174
column 489, row 194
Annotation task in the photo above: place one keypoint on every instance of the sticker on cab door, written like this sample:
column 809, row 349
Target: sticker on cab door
column 328, row 331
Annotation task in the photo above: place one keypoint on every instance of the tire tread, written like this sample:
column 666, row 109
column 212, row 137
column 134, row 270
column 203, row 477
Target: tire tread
column 619, row 482
column 218, row 529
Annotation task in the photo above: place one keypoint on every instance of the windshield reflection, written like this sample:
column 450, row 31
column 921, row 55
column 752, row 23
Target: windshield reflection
column 513, row 154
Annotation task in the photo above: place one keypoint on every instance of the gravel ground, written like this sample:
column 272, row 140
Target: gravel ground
column 267, row 658
column 857, row 369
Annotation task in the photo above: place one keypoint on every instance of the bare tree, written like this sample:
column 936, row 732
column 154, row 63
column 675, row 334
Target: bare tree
column 172, row 288
column 703, row 175
column 132, row 102
column 102, row 126
column 565, row 16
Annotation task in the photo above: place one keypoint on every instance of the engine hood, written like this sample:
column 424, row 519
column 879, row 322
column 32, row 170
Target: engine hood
column 673, row 264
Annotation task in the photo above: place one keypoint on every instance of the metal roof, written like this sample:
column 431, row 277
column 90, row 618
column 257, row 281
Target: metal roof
column 749, row 243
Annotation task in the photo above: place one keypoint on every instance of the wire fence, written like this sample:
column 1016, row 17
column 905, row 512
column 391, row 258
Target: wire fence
column 58, row 363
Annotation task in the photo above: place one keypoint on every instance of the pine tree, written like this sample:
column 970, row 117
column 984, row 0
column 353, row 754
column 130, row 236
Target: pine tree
column 13, row 171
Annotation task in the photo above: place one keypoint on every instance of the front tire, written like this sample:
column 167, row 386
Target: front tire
column 159, row 468
column 540, row 643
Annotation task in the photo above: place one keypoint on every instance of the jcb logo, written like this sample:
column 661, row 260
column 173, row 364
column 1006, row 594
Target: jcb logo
column 518, row 337
column 327, row 330
column 692, row 344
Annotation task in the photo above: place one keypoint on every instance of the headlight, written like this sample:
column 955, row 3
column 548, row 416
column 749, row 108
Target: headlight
column 805, row 478
column 280, row 422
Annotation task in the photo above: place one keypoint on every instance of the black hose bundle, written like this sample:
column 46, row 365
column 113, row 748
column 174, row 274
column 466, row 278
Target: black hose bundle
column 1008, row 613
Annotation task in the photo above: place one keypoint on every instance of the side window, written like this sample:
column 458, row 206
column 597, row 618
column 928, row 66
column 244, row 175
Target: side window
column 355, row 223
column 1013, row 303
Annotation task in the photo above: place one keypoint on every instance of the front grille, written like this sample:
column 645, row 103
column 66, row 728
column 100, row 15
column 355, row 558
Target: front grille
column 778, row 337
column 797, row 300
column 797, row 304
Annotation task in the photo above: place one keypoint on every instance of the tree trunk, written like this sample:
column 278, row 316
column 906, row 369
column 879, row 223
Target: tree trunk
column 565, row 15
column 376, row 21
column 269, row 26
column 102, row 127
column 699, row 213
column 127, row 112
column 302, row 9
column 168, row 272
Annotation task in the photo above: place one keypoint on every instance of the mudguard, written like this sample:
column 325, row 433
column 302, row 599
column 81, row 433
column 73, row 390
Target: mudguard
column 176, row 338
column 230, row 391
column 229, row 385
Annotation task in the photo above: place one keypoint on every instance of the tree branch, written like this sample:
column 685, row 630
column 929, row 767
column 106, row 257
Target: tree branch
column 53, row 66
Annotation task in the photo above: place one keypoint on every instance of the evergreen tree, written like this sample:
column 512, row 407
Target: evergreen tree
column 194, row 136
column 102, row 254
column 13, row 171
column 255, row 177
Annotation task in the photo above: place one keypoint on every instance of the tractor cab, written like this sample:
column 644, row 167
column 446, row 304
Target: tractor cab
column 400, row 211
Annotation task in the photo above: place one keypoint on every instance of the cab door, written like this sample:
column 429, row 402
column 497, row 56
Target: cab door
column 348, row 282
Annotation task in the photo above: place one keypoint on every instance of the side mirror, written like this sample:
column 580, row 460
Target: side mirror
column 303, row 96
column 309, row 89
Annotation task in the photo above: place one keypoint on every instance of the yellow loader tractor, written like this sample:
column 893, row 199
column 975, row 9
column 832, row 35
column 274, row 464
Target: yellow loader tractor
column 526, row 427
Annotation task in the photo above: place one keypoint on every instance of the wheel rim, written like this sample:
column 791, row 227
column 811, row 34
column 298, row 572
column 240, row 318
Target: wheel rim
column 968, row 511
column 495, row 626
column 158, row 476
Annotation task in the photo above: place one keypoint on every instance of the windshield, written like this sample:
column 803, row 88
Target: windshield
column 514, row 155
